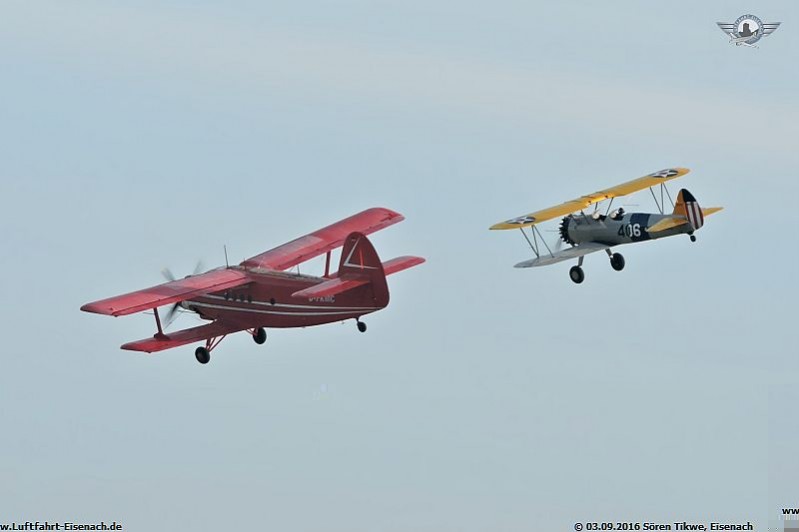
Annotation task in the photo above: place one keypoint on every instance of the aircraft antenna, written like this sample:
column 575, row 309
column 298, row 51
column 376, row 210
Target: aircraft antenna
column 224, row 246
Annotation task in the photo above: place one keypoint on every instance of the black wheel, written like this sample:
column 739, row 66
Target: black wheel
column 361, row 326
column 259, row 336
column 203, row 355
column 576, row 274
column 617, row 262
column 693, row 238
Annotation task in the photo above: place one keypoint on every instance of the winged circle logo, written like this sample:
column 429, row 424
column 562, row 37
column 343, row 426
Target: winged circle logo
column 669, row 172
column 747, row 30
column 521, row 220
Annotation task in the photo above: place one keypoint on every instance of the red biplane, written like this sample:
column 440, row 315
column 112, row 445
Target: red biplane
column 259, row 293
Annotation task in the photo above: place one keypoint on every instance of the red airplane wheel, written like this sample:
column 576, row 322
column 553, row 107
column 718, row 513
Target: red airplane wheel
column 202, row 355
column 259, row 336
column 361, row 326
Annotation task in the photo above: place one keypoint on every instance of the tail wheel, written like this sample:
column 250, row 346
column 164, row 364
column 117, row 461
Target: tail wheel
column 259, row 336
column 202, row 355
column 361, row 326
column 617, row 262
column 576, row 274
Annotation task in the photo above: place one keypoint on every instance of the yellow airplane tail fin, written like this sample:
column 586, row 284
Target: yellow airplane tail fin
column 676, row 220
column 688, row 206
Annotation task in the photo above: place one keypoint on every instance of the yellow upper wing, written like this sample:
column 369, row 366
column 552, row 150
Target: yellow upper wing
column 582, row 202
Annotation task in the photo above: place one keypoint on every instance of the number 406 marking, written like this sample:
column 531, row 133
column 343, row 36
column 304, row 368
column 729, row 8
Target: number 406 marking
column 631, row 230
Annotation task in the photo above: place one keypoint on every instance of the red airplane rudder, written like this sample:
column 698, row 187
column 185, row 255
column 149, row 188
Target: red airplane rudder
column 359, row 259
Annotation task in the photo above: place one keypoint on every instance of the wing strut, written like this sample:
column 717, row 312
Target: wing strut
column 662, row 204
column 533, row 247
column 534, row 242
column 669, row 195
column 535, row 230
column 660, row 209
column 327, row 264
column 158, row 321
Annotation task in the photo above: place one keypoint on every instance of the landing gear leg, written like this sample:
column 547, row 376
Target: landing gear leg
column 259, row 335
column 576, row 273
column 361, row 325
column 203, row 354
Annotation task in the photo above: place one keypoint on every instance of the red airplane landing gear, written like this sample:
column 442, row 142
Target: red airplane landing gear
column 259, row 335
column 361, row 326
column 203, row 354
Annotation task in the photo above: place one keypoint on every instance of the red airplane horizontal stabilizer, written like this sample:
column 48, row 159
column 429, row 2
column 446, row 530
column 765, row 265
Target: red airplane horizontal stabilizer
column 166, row 293
column 326, row 239
column 401, row 263
column 159, row 342
column 338, row 285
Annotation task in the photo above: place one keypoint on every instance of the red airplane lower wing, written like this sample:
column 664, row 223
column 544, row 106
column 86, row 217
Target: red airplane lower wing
column 166, row 293
column 324, row 240
column 178, row 338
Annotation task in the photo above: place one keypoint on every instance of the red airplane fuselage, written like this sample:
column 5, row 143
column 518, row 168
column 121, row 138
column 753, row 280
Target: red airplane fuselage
column 268, row 302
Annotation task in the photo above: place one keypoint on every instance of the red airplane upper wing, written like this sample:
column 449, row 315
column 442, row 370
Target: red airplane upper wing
column 166, row 293
column 325, row 239
column 186, row 336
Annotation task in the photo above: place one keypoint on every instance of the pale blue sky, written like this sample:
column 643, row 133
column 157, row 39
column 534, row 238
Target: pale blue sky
column 138, row 135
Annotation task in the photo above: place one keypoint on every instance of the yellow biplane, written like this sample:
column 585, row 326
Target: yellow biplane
column 587, row 233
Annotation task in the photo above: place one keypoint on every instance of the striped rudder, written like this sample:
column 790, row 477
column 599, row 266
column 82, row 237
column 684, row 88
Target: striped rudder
column 688, row 206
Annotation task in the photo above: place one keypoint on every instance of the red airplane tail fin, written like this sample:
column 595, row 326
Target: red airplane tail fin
column 688, row 206
column 358, row 256
column 360, row 266
column 359, row 261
